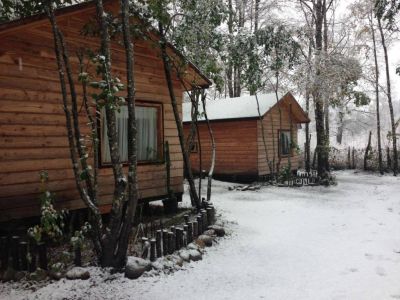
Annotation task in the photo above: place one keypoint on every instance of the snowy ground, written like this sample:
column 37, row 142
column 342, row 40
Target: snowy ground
column 341, row 242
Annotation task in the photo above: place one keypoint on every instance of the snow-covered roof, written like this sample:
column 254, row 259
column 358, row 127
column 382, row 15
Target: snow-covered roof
column 233, row 108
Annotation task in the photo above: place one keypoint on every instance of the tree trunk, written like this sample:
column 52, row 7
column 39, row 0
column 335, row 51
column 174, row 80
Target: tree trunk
column 367, row 150
column 389, row 95
column 213, row 147
column 319, row 103
column 349, row 158
column 84, row 195
column 256, row 14
column 168, row 76
column 261, row 120
column 127, row 221
column 229, row 71
column 378, row 118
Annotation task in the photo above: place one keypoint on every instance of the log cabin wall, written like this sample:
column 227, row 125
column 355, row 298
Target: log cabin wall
column 272, row 126
column 236, row 147
column 32, row 122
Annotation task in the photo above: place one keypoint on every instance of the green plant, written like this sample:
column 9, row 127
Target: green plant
column 79, row 236
column 51, row 221
column 285, row 174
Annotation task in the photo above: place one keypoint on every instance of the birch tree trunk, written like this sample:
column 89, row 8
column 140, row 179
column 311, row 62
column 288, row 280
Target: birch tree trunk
column 378, row 118
column 389, row 95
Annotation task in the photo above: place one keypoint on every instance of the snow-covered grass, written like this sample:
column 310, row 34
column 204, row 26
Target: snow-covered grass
column 341, row 242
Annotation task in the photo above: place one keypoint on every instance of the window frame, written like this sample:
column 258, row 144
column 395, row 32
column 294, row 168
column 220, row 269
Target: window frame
column 195, row 147
column 290, row 154
column 160, row 136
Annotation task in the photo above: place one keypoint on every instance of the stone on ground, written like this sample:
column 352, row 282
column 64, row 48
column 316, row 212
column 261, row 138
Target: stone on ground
column 78, row 273
column 206, row 239
column 219, row 230
column 136, row 266
column 195, row 255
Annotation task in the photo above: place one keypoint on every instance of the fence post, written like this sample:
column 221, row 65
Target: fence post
column 158, row 242
column 165, row 242
column 42, row 251
column 4, row 250
column 23, row 247
column 152, row 250
column 15, row 252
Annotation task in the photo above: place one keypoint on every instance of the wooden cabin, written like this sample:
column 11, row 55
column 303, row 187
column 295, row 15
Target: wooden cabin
column 240, row 151
column 33, row 135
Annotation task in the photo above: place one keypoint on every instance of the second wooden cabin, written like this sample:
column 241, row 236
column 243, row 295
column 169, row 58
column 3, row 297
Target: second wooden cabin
column 238, row 132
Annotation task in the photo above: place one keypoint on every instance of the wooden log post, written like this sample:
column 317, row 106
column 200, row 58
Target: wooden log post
column 77, row 256
column 186, row 217
column 153, row 252
column 165, row 242
column 349, row 158
column 204, row 218
column 42, row 253
column 179, row 238
column 189, row 236
column 171, row 242
column 32, row 256
column 4, row 251
column 388, row 159
column 185, row 236
column 158, row 242
column 23, row 255
column 199, row 224
column 195, row 229
column 210, row 217
column 14, row 249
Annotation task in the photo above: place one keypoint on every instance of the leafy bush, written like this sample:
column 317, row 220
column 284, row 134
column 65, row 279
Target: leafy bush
column 51, row 221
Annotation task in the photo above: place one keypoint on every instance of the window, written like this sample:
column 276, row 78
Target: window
column 148, row 138
column 284, row 142
column 194, row 147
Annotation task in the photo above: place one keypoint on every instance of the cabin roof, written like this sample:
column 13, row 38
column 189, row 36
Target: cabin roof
column 245, row 107
column 20, row 24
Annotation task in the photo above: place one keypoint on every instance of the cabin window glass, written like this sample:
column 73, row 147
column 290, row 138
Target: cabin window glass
column 194, row 147
column 147, row 136
column 284, row 142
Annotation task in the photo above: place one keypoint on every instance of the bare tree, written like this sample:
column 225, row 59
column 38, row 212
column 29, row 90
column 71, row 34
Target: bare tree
column 111, row 241
column 389, row 96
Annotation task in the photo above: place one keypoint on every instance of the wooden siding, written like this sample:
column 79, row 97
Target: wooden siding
column 272, row 125
column 32, row 122
column 236, row 147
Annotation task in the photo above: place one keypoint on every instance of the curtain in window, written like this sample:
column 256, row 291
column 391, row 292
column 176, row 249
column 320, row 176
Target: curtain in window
column 146, row 122
column 285, row 142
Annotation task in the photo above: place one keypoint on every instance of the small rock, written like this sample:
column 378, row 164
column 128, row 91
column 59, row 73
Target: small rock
column 219, row 230
column 38, row 275
column 193, row 246
column 136, row 266
column 206, row 239
column 157, row 265
column 185, row 255
column 56, row 275
column 209, row 232
column 9, row 274
column 177, row 260
column 231, row 188
column 78, row 273
column 19, row 275
column 195, row 255
column 245, row 188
